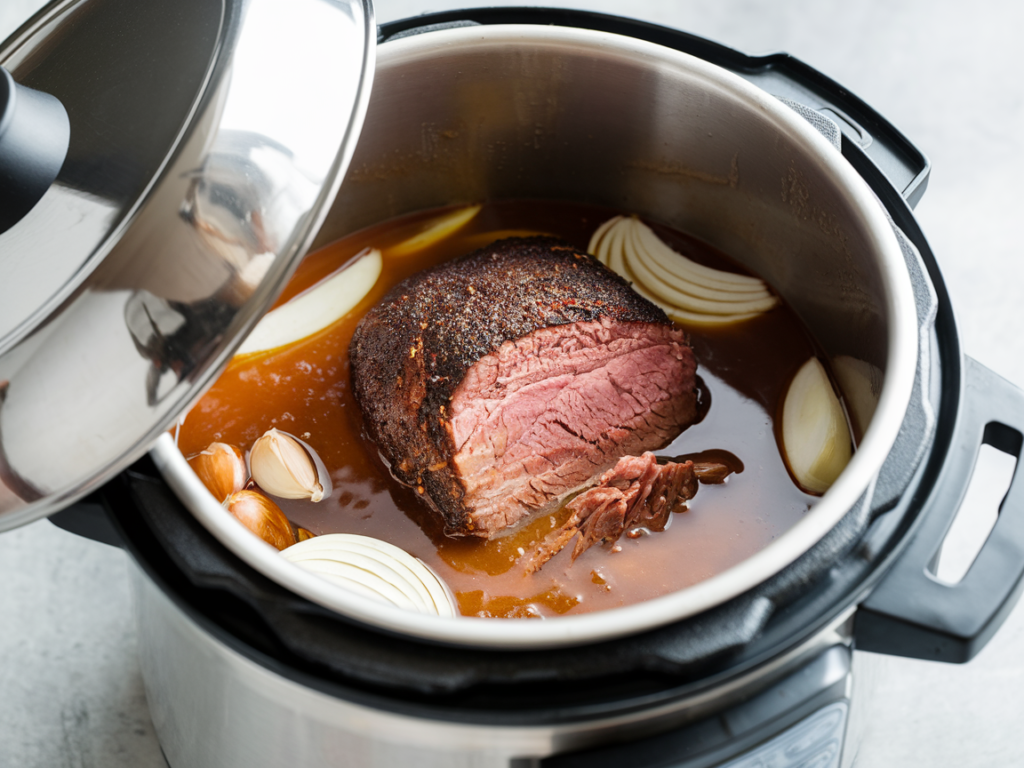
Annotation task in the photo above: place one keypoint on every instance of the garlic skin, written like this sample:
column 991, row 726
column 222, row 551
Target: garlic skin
column 815, row 435
column 284, row 466
column 222, row 469
column 261, row 516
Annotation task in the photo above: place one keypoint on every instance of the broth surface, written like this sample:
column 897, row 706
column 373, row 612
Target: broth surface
column 305, row 389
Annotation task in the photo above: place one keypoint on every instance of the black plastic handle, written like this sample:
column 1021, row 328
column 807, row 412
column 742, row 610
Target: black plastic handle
column 34, row 135
column 910, row 613
column 90, row 519
column 869, row 140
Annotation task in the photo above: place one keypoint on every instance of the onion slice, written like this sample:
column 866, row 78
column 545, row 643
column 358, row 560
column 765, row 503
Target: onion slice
column 486, row 238
column 436, row 230
column 690, row 271
column 861, row 384
column 815, row 435
column 688, row 292
column 598, row 237
column 374, row 569
column 610, row 254
column 316, row 308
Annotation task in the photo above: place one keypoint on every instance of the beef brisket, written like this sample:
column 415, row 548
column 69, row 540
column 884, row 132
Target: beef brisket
column 498, row 383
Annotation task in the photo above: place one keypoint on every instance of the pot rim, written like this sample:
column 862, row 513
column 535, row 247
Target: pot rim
column 740, row 578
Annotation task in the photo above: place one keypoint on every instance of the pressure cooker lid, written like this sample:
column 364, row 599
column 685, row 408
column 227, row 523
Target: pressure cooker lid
column 204, row 144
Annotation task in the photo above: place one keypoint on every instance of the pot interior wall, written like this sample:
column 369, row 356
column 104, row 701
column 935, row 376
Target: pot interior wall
column 492, row 113
column 513, row 112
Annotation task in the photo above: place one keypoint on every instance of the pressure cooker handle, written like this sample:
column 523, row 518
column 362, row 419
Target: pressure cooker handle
column 90, row 519
column 911, row 613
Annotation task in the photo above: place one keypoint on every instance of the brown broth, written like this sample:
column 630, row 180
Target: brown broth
column 305, row 390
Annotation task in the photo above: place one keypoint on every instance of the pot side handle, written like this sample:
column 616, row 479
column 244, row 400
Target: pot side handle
column 89, row 518
column 911, row 613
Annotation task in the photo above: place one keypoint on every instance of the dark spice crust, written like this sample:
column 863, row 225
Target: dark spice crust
column 410, row 352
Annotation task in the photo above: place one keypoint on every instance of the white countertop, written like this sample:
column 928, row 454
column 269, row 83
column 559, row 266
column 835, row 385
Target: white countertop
column 948, row 74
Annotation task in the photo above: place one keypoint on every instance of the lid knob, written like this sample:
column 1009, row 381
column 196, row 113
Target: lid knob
column 34, row 134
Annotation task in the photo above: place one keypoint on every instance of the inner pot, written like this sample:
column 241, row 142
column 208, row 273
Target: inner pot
column 511, row 112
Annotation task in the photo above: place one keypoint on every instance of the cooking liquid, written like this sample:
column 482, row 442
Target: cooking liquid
column 305, row 390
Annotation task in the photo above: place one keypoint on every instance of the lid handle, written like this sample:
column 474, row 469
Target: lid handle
column 34, row 133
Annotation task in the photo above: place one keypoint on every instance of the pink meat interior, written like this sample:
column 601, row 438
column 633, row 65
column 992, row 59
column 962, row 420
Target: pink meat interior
column 544, row 415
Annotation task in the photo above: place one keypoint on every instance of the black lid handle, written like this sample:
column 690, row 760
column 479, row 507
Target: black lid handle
column 90, row 519
column 34, row 134
column 913, row 614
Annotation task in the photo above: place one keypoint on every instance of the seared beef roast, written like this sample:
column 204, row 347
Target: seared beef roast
column 498, row 383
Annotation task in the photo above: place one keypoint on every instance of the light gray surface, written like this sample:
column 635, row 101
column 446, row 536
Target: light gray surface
column 948, row 75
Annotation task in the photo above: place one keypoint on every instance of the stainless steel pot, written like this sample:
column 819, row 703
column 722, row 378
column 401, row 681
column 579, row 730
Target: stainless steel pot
column 498, row 112
column 214, row 703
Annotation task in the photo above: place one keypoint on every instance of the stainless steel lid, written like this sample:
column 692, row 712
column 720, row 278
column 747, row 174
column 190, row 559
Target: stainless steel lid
column 207, row 141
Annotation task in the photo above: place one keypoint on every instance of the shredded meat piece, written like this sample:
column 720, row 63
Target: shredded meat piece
column 637, row 492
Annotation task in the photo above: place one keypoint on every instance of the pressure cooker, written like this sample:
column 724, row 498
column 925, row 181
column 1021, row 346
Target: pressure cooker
column 240, row 669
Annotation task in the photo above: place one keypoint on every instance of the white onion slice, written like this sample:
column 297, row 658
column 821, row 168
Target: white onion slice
column 688, row 292
column 690, row 270
column 436, row 230
column 486, row 238
column 699, row 318
column 815, row 435
column 661, row 261
column 598, row 236
column 383, row 571
column 357, row 553
column 317, row 307
column 722, row 304
column 375, row 585
column 861, row 385
column 611, row 256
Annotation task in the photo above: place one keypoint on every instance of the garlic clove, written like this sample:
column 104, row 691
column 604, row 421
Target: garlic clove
column 815, row 436
column 437, row 229
column 377, row 566
column 261, row 516
column 316, row 308
column 222, row 469
column 286, row 467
